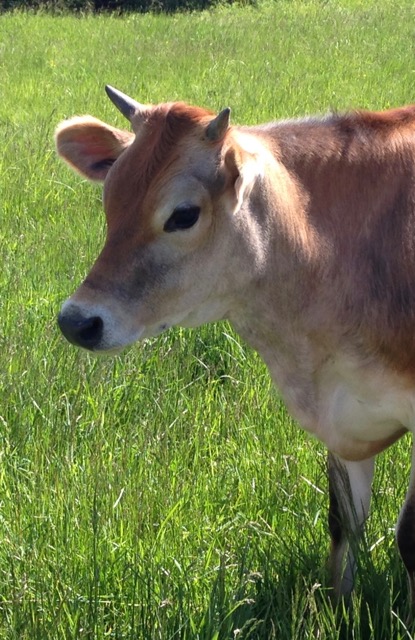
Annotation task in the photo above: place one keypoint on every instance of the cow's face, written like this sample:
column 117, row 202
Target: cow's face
column 175, row 246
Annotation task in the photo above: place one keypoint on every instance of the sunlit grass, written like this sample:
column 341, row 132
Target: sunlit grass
column 166, row 493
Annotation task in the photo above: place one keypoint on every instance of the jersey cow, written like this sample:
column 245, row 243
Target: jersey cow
column 301, row 233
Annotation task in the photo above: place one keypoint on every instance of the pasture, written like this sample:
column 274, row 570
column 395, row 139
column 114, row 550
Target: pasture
column 166, row 493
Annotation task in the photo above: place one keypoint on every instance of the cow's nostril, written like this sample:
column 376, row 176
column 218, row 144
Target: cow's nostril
column 91, row 330
column 84, row 332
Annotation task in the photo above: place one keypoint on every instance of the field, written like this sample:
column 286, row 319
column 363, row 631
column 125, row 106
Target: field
column 166, row 493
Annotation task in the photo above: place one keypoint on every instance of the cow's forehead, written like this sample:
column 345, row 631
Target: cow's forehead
column 160, row 143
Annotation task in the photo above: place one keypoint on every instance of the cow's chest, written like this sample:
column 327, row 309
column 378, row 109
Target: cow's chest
column 355, row 409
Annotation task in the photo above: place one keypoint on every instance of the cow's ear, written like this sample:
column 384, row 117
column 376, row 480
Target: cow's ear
column 90, row 146
column 242, row 168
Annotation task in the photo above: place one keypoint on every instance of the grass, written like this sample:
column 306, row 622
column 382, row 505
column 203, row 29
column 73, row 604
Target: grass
column 166, row 493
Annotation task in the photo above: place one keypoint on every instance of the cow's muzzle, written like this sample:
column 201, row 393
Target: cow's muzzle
column 82, row 331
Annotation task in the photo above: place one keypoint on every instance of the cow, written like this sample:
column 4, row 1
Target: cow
column 300, row 233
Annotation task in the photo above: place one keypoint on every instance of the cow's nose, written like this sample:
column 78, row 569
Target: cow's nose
column 81, row 331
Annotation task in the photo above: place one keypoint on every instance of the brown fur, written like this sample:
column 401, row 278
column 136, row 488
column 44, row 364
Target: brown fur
column 305, row 242
column 357, row 177
column 151, row 155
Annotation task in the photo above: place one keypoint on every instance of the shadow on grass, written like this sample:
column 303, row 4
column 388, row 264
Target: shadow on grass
column 285, row 604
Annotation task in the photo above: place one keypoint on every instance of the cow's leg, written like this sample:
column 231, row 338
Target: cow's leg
column 405, row 535
column 350, row 487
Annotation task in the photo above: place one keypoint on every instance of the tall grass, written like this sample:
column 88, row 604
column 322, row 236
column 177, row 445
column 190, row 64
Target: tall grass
column 166, row 493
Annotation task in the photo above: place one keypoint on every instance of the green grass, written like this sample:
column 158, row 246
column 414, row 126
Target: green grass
column 166, row 493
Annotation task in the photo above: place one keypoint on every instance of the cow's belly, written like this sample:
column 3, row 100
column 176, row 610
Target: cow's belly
column 356, row 410
column 357, row 423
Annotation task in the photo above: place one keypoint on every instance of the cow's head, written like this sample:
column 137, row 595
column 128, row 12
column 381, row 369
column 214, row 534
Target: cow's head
column 177, row 249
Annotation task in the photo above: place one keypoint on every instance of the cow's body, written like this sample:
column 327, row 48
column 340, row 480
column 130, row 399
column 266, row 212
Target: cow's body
column 302, row 235
column 341, row 342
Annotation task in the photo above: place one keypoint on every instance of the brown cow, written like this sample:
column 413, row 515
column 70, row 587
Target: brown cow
column 302, row 234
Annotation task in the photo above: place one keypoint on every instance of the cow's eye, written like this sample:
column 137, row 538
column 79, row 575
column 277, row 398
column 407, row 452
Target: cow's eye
column 183, row 217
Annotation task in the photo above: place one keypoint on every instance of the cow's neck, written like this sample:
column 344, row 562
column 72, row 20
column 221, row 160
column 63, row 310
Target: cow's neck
column 272, row 315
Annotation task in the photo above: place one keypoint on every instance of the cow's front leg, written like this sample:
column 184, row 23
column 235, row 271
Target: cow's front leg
column 405, row 537
column 350, row 486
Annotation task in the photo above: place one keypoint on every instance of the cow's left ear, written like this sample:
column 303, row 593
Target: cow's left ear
column 90, row 146
column 243, row 168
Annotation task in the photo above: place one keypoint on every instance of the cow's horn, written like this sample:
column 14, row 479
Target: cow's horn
column 126, row 105
column 217, row 127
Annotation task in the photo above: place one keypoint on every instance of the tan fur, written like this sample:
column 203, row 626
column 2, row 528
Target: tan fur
column 85, row 141
column 305, row 242
column 324, row 209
